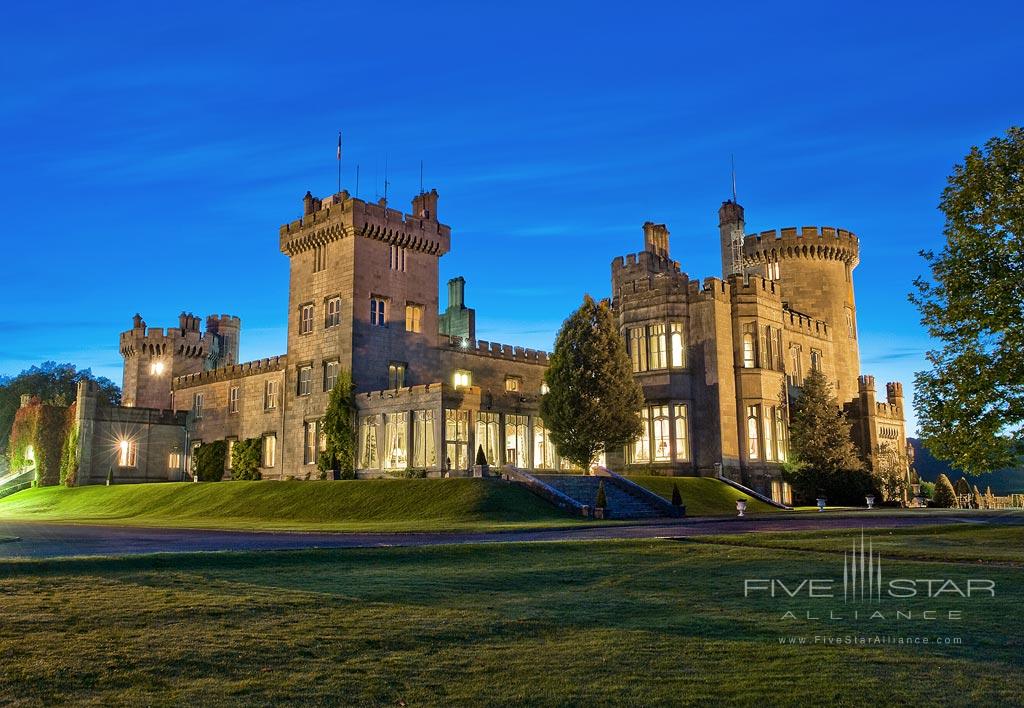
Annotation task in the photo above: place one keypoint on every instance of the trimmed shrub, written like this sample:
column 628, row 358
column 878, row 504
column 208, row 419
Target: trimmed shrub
column 944, row 496
column 677, row 498
column 481, row 458
column 245, row 459
column 209, row 460
column 602, row 501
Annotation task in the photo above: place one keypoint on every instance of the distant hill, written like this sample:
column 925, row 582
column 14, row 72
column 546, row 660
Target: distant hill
column 1010, row 480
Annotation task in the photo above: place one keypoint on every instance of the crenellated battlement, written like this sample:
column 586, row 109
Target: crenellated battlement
column 234, row 371
column 402, row 393
column 496, row 350
column 185, row 340
column 710, row 289
column 824, row 243
column 754, row 285
column 798, row 321
column 640, row 264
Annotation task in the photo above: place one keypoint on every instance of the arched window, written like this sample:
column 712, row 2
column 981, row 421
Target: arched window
column 815, row 360
column 753, row 443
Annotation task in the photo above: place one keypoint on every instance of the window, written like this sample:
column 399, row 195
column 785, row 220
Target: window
column 231, row 448
column 127, row 453
column 682, row 451
column 753, row 443
column 396, row 444
column 174, row 461
column 796, row 375
column 517, row 449
column 658, row 353
column 233, row 399
column 462, row 379
column 456, row 435
column 333, row 312
column 197, row 405
column 638, row 349
column 850, row 332
column 157, row 368
column 662, row 441
column 677, row 345
column 488, row 436
column 310, row 439
column 396, row 374
column 513, row 384
column 377, row 312
column 306, row 320
column 331, row 369
column 641, row 450
column 815, row 360
column 749, row 349
column 319, row 258
column 769, row 432
column 413, row 315
column 543, row 450
column 771, row 347
column 780, row 434
column 270, row 395
column 545, row 389
column 772, row 269
column 305, row 380
column 269, row 450
column 368, row 459
column 397, row 258
column 424, row 452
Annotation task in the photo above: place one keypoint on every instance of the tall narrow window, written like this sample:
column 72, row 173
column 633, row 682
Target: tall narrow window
column 269, row 450
column 661, row 435
column 305, row 380
column 682, row 451
column 424, row 453
column 815, row 360
column 769, row 429
column 517, row 449
column 197, row 405
column 397, row 258
column 488, row 436
column 641, row 450
column 780, row 434
column 658, row 352
column 368, row 459
column 396, row 374
column 333, row 312
column 413, row 315
column 749, row 347
column 396, row 445
column 796, row 374
column 753, row 441
column 270, row 395
column 331, row 369
column 456, row 435
column 777, row 349
column 174, row 461
column 319, row 258
column 766, row 347
column 543, row 450
column 677, row 344
column 127, row 453
column 306, row 320
column 638, row 348
column 850, row 331
column 233, row 399
column 513, row 384
column 377, row 314
column 310, row 435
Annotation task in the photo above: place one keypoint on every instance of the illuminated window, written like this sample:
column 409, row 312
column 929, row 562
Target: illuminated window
column 331, row 370
column 413, row 315
column 796, row 373
column 749, row 349
column 543, row 450
column 333, row 312
column 517, row 449
column 396, row 374
column 305, row 380
column 368, row 459
column 638, row 348
column 233, row 399
column 769, row 429
column 174, row 461
column 513, row 383
column 677, row 345
column 424, row 452
column 682, row 452
column 377, row 318
column 661, row 435
column 127, row 453
column 156, row 368
column 456, row 435
column 270, row 395
column 780, row 434
column 231, row 450
column 396, row 443
column 488, row 436
column 641, row 449
column 462, row 379
column 269, row 450
column 197, row 405
column 658, row 353
column 753, row 442
column 306, row 320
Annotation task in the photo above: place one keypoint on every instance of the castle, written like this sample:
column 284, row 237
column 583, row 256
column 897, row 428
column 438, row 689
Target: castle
column 716, row 359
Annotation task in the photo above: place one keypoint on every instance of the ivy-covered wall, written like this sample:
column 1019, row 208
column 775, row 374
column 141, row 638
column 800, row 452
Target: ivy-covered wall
column 37, row 438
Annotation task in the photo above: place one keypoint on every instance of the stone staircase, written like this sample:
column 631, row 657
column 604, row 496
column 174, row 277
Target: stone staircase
column 583, row 488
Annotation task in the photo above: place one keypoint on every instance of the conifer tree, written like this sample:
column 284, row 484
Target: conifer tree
column 593, row 401
column 339, row 429
column 944, row 495
column 819, row 432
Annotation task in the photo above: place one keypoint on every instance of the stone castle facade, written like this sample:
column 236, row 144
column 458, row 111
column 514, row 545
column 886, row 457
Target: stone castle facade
column 717, row 359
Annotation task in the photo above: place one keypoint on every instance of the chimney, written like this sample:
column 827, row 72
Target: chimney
column 457, row 293
column 656, row 239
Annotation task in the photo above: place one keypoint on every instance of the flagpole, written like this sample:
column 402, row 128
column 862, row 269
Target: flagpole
column 339, row 163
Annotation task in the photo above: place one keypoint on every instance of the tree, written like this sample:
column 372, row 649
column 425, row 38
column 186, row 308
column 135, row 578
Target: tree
column 481, row 458
column 593, row 401
column 677, row 498
column 944, row 495
column 891, row 474
column 339, row 429
column 54, row 384
column 970, row 403
column 208, row 460
column 963, row 492
column 245, row 459
column 601, row 502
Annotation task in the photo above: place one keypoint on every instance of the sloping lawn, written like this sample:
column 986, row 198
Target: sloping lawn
column 703, row 496
column 359, row 505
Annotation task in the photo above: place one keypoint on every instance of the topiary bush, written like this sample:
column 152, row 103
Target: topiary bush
column 944, row 495
column 481, row 458
column 245, row 459
column 208, row 461
column 602, row 501
column 677, row 498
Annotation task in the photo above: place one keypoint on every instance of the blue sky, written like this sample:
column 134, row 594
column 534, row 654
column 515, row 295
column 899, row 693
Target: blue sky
column 150, row 152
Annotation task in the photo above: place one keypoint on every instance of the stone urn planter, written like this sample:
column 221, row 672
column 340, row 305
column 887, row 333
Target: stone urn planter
column 870, row 499
column 821, row 504
column 600, row 512
column 741, row 507
column 481, row 470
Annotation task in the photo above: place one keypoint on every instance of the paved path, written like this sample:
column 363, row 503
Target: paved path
column 41, row 540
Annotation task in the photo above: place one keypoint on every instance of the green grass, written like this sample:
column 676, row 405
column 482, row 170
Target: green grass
column 639, row 623
column 703, row 496
column 363, row 505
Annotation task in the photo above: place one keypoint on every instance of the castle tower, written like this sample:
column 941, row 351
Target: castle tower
column 814, row 268
column 730, row 235
column 656, row 239
column 227, row 330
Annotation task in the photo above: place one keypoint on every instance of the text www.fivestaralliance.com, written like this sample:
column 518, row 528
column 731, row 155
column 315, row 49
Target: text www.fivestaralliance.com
column 870, row 640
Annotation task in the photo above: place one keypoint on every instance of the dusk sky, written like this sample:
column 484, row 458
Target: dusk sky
column 150, row 151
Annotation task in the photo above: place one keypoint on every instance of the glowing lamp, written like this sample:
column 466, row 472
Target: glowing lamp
column 157, row 368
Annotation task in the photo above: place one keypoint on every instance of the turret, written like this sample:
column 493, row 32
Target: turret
column 894, row 393
column 730, row 234
column 424, row 205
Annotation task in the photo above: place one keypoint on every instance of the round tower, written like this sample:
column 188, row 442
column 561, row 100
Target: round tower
column 228, row 329
column 814, row 268
column 153, row 356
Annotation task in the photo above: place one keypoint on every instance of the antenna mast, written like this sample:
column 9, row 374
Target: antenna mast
column 736, row 236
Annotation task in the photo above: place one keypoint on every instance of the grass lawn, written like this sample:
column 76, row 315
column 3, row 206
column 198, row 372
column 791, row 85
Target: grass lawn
column 644, row 623
column 703, row 496
column 362, row 505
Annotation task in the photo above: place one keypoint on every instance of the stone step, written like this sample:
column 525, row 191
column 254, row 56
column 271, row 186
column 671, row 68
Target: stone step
column 583, row 488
